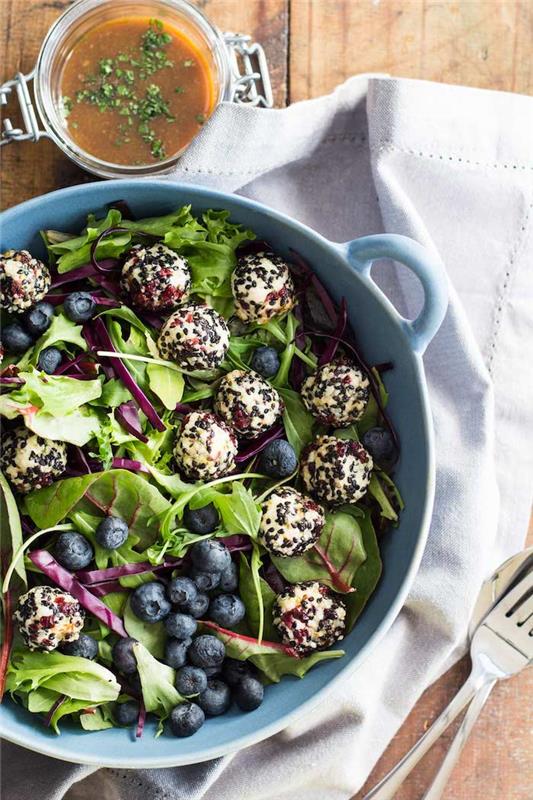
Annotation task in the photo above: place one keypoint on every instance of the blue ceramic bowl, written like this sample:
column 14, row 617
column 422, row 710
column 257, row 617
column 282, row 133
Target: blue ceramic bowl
column 384, row 336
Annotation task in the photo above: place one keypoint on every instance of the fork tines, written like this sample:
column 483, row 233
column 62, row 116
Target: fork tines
column 512, row 617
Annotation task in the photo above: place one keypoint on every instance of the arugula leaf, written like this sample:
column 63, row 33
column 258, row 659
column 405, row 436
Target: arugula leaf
column 272, row 658
column 117, row 493
column 165, row 383
column 367, row 576
column 371, row 416
column 157, row 682
column 375, row 489
column 151, row 635
column 335, row 558
column 297, row 420
column 10, row 526
column 239, row 511
column 249, row 596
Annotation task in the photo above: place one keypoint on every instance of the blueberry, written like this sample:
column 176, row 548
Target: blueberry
column 226, row 610
column 216, row 699
column 79, row 307
column 191, row 680
column 249, row 693
column 379, row 443
column 15, row 339
column 210, row 556
column 205, row 581
column 111, row 533
column 126, row 713
column 73, row 551
column 180, row 626
column 206, row 651
column 201, row 520
column 197, row 607
column 38, row 319
column 234, row 671
column 123, row 656
column 176, row 652
column 265, row 361
column 49, row 360
column 278, row 459
column 229, row 579
column 212, row 671
column 186, row 719
column 149, row 603
column 84, row 647
column 182, row 591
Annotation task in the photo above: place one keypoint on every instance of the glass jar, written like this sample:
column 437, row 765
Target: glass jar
column 237, row 66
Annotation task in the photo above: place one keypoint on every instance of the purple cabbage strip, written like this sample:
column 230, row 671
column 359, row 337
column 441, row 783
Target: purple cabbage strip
column 297, row 370
column 66, row 581
column 128, row 463
column 141, row 720
column 89, row 332
column 332, row 346
column 152, row 319
column 127, row 415
column 183, row 408
column 237, row 543
column 101, row 589
column 101, row 266
column 83, row 272
column 99, row 576
column 71, row 364
column 5, row 380
column 59, row 702
column 78, row 460
column 146, row 406
column 273, row 577
column 321, row 291
column 260, row 443
column 107, row 282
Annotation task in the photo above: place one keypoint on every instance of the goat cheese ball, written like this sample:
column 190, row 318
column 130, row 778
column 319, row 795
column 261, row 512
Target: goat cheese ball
column 46, row 617
column 155, row 278
column 336, row 394
column 262, row 287
column 290, row 523
column 24, row 280
column 30, row 462
column 195, row 337
column 336, row 470
column 205, row 446
column 247, row 402
column 309, row 616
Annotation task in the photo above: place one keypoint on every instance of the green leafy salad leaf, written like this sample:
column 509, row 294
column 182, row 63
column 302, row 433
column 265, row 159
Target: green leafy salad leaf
column 253, row 602
column 60, row 333
column 151, row 634
column 297, row 420
column 167, row 384
column 335, row 558
column 367, row 576
column 10, row 526
column 157, row 682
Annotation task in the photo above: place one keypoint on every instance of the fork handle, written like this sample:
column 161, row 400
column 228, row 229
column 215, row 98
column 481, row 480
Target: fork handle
column 389, row 785
column 473, row 711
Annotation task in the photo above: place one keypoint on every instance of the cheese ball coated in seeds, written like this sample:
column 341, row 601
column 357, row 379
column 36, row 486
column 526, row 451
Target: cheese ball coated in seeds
column 24, row 280
column 309, row 616
column 46, row 617
column 195, row 337
column 290, row 523
column 262, row 287
column 30, row 462
column 205, row 447
column 155, row 278
column 247, row 402
column 336, row 394
column 336, row 470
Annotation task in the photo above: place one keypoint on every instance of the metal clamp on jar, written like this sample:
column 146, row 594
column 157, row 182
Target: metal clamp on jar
column 238, row 69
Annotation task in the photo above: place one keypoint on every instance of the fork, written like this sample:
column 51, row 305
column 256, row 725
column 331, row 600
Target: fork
column 501, row 646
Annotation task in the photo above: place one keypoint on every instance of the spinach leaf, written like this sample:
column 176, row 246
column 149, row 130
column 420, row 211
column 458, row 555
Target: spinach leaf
column 335, row 558
column 239, row 511
column 297, row 420
column 367, row 576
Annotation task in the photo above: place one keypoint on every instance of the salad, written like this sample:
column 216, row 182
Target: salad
column 196, row 470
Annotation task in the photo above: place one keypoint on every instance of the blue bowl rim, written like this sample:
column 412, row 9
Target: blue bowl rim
column 55, row 749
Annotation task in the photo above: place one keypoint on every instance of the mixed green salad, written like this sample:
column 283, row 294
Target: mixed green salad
column 196, row 470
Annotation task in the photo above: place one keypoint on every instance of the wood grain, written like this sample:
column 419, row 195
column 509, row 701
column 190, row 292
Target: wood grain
column 312, row 45
column 485, row 43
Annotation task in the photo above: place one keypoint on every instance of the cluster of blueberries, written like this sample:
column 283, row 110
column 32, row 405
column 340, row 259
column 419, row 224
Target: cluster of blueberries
column 202, row 670
column 17, row 337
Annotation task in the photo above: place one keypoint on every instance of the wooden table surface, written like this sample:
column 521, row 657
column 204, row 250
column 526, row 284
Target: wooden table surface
column 313, row 45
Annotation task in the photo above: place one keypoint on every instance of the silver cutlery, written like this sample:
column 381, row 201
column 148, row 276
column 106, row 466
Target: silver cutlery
column 501, row 646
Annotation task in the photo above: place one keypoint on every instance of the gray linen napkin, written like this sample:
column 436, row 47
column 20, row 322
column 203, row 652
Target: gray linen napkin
column 453, row 168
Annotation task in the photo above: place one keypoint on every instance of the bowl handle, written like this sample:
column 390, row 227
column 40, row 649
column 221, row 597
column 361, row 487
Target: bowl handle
column 427, row 266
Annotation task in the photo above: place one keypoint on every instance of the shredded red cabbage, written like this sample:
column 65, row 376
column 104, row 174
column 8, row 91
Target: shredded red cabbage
column 90, row 334
column 183, row 408
column 6, row 380
column 127, row 415
column 331, row 348
column 109, row 283
column 123, row 207
column 101, row 589
column 128, row 463
column 237, row 543
column 92, row 576
column 66, row 581
column 122, row 372
column 59, row 702
column 273, row 577
column 260, row 443
column 141, row 720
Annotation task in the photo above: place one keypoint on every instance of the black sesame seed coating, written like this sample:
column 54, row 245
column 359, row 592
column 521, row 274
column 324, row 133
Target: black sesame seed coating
column 24, row 280
column 248, row 403
column 309, row 616
column 262, row 287
column 336, row 470
column 205, row 447
column 29, row 461
column 46, row 616
column 336, row 394
column 195, row 337
column 291, row 522
column 155, row 278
